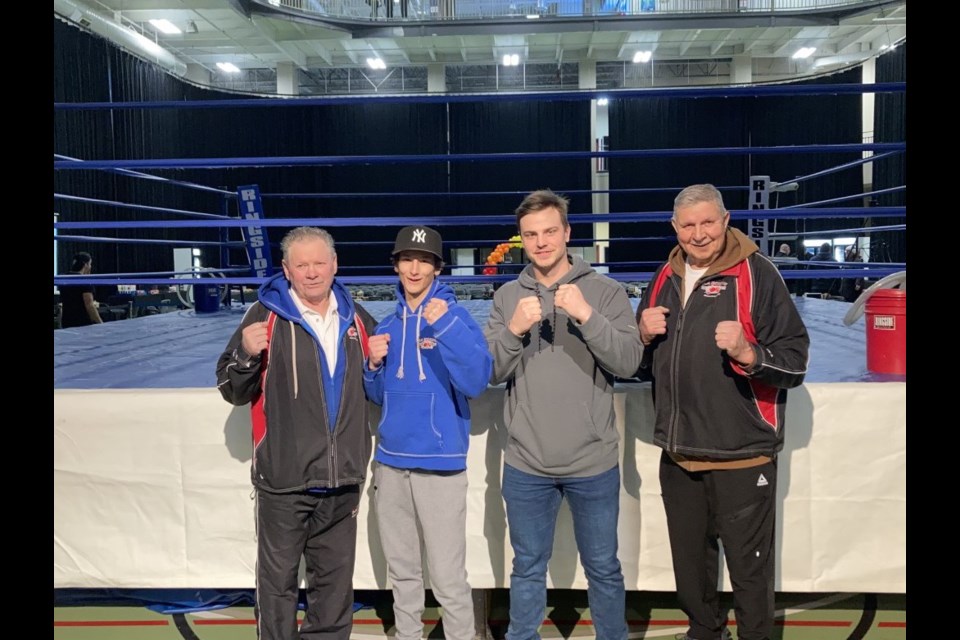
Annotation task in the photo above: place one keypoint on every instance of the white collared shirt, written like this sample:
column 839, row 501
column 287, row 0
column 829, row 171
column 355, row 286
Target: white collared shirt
column 327, row 328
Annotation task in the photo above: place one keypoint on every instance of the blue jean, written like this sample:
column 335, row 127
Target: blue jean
column 532, row 506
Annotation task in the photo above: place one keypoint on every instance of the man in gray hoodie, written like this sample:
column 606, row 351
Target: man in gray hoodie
column 559, row 334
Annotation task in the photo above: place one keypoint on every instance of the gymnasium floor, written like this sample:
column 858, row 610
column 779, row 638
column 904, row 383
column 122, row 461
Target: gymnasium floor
column 649, row 615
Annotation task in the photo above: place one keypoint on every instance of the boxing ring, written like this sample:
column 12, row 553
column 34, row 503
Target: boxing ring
column 151, row 466
column 151, row 469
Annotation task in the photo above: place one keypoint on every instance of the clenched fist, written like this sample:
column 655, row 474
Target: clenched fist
column 653, row 323
column 569, row 298
column 527, row 314
column 255, row 338
column 378, row 346
column 730, row 338
column 434, row 310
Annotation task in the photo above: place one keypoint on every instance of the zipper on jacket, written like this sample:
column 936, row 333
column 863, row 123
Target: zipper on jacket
column 674, row 375
column 343, row 396
column 323, row 406
column 263, row 388
column 675, row 357
column 334, row 481
column 332, row 447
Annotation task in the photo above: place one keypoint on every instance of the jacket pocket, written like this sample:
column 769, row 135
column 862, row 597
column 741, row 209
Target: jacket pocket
column 408, row 426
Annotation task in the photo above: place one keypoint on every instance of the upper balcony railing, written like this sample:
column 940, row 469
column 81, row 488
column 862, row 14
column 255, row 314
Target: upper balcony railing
column 432, row 10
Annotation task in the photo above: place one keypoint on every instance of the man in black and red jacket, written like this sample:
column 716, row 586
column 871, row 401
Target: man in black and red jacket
column 311, row 436
column 723, row 341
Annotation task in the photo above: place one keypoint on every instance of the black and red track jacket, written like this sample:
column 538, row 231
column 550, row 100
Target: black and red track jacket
column 707, row 406
column 310, row 430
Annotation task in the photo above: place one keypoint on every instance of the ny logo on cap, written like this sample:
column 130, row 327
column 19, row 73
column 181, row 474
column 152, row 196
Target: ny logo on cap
column 419, row 235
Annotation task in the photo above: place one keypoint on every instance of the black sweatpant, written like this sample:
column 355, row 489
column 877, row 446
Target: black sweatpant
column 323, row 529
column 738, row 507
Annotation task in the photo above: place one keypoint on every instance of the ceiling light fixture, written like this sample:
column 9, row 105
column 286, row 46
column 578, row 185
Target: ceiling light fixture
column 804, row 52
column 511, row 59
column 165, row 26
column 602, row 102
column 376, row 63
column 642, row 56
column 228, row 67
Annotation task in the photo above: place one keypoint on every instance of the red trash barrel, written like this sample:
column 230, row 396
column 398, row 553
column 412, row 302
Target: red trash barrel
column 886, row 313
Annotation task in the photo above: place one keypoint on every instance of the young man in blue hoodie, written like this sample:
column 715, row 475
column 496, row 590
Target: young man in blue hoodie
column 426, row 361
column 311, row 438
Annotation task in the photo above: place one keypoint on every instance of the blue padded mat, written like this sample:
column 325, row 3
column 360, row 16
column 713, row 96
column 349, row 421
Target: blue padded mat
column 180, row 349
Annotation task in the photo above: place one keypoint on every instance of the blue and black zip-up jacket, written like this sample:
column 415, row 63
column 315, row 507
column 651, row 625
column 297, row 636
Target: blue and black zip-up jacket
column 424, row 382
column 310, row 428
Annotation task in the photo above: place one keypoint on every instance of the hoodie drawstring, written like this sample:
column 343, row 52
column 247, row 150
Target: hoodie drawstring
column 553, row 322
column 536, row 289
column 419, row 358
column 403, row 345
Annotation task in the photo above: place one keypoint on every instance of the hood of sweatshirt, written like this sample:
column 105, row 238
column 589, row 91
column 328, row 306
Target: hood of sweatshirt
column 275, row 295
column 406, row 314
column 737, row 248
column 437, row 290
column 529, row 285
column 578, row 270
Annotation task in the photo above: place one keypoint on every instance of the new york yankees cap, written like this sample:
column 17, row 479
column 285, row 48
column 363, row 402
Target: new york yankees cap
column 418, row 238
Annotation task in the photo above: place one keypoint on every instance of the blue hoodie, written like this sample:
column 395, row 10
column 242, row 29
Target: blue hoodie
column 424, row 382
column 275, row 295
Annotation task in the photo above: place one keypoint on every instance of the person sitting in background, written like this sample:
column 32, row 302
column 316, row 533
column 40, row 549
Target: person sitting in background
column 787, row 261
column 825, row 254
column 78, row 305
column 824, row 286
column 850, row 288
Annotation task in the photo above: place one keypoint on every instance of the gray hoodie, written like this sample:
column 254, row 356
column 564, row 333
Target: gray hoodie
column 559, row 404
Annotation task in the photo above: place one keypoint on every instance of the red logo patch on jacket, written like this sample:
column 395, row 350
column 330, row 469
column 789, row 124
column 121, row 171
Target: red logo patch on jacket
column 352, row 333
column 427, row 343
column 713, row 289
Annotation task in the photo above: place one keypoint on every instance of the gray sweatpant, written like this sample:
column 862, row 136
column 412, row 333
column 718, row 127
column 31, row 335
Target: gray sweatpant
column 419, row 506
